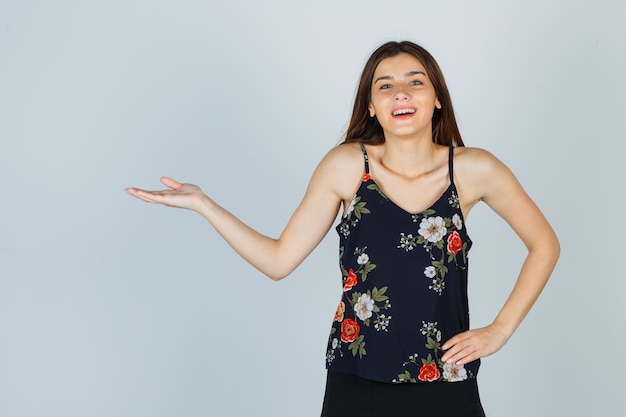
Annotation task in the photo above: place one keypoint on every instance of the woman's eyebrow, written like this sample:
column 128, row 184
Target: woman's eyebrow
column 408, row 74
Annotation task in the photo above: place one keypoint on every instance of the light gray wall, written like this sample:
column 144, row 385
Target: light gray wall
column 111, row 307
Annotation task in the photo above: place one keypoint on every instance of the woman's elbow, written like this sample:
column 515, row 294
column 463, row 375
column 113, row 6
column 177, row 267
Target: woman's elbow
column 556, row 249
column 551, row 249
column 278, row 273
column 275, row 276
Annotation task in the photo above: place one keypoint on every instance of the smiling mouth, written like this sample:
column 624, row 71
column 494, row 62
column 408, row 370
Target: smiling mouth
column 402, row 112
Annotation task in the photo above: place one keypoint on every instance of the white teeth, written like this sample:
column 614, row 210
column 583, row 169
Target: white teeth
column 403, row 111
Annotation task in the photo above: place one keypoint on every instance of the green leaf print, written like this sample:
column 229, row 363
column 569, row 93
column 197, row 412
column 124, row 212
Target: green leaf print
column 379, row 295
column 355, row 298
column 405, row 377
column 374, row 187
column 369, row 267
column 432, row 344
column 358, row 346
column 359, row 208
column 441, row 267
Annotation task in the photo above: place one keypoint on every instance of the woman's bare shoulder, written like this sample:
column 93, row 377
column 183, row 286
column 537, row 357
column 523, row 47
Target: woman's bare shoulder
column 476, row 162
column 477, row 154
column 345, row 153
column 481, row 175
column 344, row 158
column 342, row 167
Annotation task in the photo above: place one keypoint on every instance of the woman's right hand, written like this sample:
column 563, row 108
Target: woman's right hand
column 187, row 196
column 334, row 180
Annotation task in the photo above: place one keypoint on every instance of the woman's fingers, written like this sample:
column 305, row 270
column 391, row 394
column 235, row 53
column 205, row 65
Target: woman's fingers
column 473, row 344
column 463, row 355
column 186, row 196
column 168, row 182
column 147, row 196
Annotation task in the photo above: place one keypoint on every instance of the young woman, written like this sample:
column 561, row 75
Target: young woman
column 400, row 343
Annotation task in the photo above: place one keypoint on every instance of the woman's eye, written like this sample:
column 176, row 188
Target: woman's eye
column 385, row 86
column 416, row 82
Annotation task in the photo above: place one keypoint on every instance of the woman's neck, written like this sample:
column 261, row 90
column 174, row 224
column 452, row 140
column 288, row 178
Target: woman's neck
column 409, row 158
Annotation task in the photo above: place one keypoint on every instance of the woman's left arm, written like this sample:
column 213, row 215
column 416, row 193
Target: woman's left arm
column 485, row 178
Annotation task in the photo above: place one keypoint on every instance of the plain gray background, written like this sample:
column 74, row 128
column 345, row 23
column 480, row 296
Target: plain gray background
column 112, row 307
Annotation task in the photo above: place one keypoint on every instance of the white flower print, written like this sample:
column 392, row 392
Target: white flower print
column 362, row 259
column 382, row 322
column 364, row 306
column 428, row 328
column 407, row 242
column 454, row 373
column 438, row 285
column 432, row 229
column 454, row 200
column 456, row 220
column 335, row 343
column 430, row 271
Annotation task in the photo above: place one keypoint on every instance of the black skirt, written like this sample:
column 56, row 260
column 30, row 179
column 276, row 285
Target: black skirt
column 348, row 395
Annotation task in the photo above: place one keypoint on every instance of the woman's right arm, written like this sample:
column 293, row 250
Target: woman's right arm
column 331, row 183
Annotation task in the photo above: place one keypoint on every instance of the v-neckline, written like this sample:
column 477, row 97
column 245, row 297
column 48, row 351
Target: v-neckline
column 449, row 188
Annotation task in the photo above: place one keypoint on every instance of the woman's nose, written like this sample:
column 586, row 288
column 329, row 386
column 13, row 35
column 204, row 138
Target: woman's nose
column 401, row 94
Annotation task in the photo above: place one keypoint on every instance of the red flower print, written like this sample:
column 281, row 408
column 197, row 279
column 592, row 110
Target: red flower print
column 340, row 310
column 366, row 177
column 349, row 330
column 428, row 372
column 454, row 243
column 350, row 281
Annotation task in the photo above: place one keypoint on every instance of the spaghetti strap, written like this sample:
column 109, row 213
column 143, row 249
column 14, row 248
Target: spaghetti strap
column 450, row 164
column 367, row 164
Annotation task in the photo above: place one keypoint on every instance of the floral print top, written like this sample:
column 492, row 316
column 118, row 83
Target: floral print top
column 404, row 279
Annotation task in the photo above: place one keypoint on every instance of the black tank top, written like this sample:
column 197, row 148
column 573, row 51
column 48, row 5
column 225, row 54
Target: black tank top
column 404, row 282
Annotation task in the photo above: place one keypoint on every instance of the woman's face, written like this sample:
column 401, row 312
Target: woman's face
column 403, row 98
